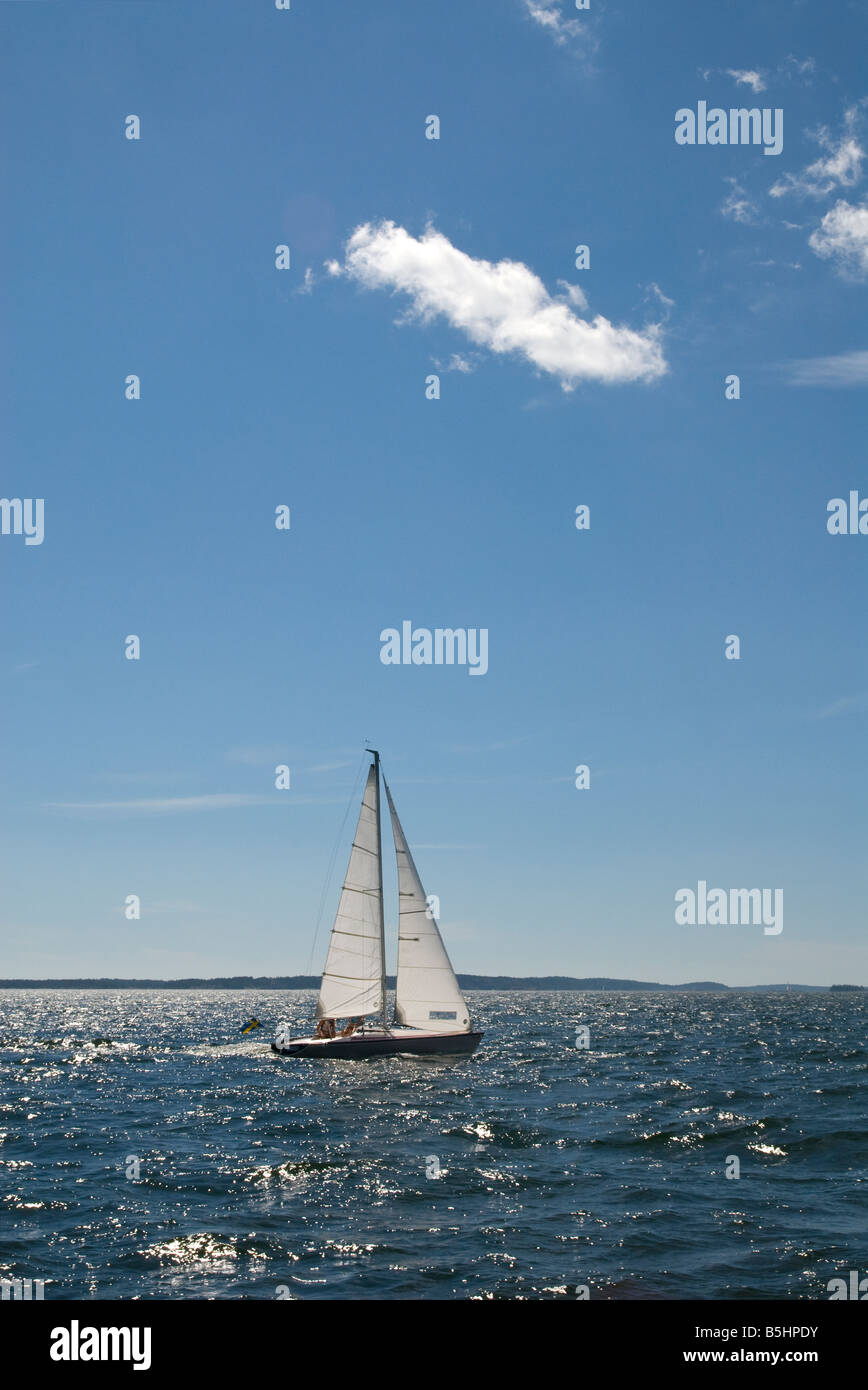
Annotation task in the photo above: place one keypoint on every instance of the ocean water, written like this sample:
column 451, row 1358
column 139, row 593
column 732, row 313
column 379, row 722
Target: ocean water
column 147, row 1151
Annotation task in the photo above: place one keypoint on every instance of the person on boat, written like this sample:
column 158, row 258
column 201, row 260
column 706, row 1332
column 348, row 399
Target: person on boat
column 352, row 1025
column 325, row 1028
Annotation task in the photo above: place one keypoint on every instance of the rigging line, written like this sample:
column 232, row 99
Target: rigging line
column 331, row 864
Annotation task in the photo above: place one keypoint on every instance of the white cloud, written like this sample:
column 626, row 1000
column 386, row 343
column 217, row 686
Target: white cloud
column 847, row 369
column 549, row 14
column 797, row 67
column 654, row 294
column 842, row 237
column 462, row 362
column 748, row 77
column 575, row 294
column 738, row 205
column 789, row 70
column 655, row 290
column 502, row 306
column 458, row 362
column 839, row 167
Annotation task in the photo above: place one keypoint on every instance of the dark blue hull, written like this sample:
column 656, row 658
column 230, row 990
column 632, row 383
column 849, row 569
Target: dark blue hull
column 360, row 1046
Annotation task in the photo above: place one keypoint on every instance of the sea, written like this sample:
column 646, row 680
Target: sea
column 598, row 1145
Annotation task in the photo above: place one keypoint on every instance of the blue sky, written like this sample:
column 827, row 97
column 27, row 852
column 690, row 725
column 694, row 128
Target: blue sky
column 307, row 387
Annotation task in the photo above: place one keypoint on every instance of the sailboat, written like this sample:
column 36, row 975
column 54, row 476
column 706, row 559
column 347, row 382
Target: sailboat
column 431, row 1016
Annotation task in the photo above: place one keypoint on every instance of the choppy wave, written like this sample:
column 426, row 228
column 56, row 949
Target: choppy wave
column 147, row 1150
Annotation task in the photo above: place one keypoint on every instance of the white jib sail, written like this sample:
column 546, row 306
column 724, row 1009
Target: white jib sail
column 427, row 994
column 352, row 979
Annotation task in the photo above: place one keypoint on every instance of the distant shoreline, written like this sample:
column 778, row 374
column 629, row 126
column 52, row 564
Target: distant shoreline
column 517, row 982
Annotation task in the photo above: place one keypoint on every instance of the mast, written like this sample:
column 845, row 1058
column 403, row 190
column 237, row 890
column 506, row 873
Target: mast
column 380, row 881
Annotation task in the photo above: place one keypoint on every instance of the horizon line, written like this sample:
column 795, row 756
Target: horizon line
column 468, row 980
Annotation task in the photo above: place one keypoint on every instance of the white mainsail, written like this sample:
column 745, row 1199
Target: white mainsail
column 427, row 994
column 352, row 982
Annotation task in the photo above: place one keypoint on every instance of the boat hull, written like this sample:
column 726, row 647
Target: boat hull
column 381, row 1045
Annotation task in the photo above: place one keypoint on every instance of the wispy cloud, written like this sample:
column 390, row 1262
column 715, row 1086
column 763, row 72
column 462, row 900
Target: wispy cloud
column 498, row 746
column 847, row 369
column 840, row 166
column 796, row 67
column 215, row 801
column 791, row 69
column 462, row 362
column 848, row 704
column 451, row 848
column 571, row 777
column 842, row 238
column 654, row 293
column 738, row 206
column 748, row 77
column 262, row 755
column 168, row 907
column 574, row 293
column 502, row 306
column 551, row 15
column 137, row 777
column 271, row 754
